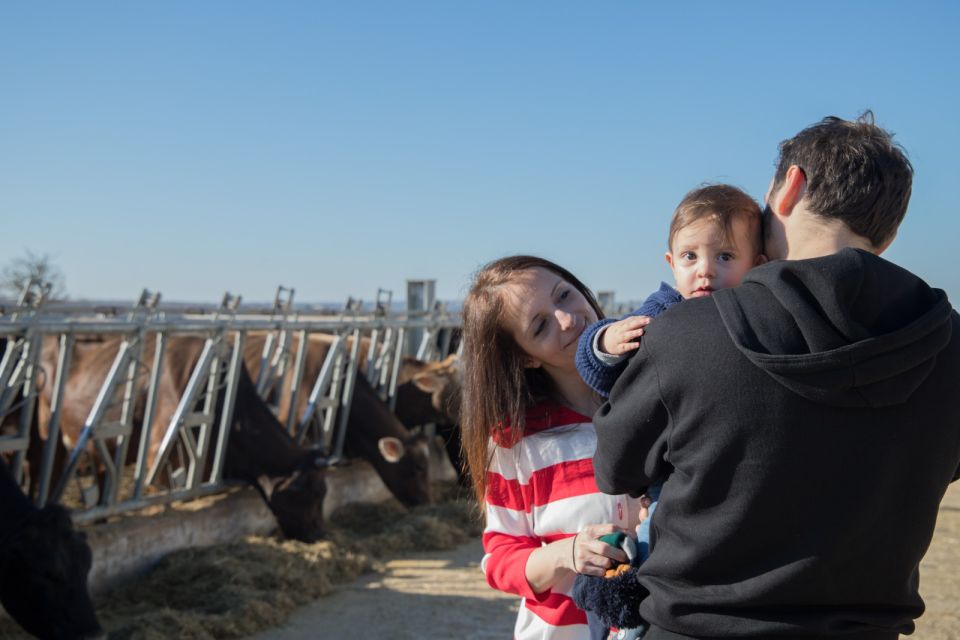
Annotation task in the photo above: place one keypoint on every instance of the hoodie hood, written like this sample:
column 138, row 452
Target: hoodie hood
column 849, row 329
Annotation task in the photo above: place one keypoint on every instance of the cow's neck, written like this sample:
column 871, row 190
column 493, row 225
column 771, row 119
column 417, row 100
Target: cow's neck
column 16, row 506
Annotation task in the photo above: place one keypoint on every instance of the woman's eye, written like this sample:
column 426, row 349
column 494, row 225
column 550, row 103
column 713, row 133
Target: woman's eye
column 564, row 294
column 539, row 328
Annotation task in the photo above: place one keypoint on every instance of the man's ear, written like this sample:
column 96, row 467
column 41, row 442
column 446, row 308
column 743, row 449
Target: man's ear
column 791, row 192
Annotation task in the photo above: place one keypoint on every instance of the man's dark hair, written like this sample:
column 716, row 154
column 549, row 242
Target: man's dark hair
column 855, row 173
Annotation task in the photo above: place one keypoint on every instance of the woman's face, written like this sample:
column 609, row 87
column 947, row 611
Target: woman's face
column 546, row 315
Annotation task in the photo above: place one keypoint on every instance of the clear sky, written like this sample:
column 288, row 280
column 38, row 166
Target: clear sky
column 198, row 147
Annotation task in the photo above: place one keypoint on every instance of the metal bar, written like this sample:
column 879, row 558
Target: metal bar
column 11, row 358
column 31, row 362
column 263, row 372
column 385, row 358
column 15, row 371
column 56, row 410
column 446, row 337
column 296, row 382
column 370, row 371
column 126, row 417
column 149, row 412
column 350, row 378
column 426, row 345
column 229, row 402
column 194, row 325
column 205, row 420
column 94, row 417
column 187, row 400
column 333, row 393
column 320, row 386
column 395, row 371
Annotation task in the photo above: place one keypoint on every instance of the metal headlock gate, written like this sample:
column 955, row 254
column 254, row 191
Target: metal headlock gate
column 190, row 457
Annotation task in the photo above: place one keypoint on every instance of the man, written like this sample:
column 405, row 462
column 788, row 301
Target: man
column 804, row 424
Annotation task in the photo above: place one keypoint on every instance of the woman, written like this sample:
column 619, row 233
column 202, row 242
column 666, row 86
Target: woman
column 529, row 441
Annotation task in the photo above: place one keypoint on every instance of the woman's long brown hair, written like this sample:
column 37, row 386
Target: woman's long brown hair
column 497, row 387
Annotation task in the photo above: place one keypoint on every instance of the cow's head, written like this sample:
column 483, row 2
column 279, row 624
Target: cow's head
column 44, row 567
column 442, row 380
column 409, row 467
column 296, row 500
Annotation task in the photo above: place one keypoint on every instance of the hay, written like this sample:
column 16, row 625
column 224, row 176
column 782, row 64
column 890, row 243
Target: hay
column 227, row 591
column 234, row 590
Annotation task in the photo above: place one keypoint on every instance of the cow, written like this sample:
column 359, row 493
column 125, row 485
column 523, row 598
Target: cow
column 373, row 433
column 429, row 392
column 44, row 564
column 260, row 452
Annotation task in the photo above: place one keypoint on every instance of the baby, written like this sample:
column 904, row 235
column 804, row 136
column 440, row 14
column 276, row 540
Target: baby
column 715, row 238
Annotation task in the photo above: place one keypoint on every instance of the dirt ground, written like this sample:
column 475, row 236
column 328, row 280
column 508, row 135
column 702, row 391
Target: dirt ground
column 440, row 595
column 940, row 574
column 273, row 588
column 430, row 596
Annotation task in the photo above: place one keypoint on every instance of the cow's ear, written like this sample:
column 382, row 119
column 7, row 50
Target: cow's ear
column 430, row 381
column 391, row 449
column 449, row 361
column 409, row 368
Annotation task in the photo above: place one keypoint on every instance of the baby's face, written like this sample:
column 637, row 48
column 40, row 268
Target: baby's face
column 702, row 262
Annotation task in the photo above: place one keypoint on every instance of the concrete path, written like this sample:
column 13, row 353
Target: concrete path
column 432, row 596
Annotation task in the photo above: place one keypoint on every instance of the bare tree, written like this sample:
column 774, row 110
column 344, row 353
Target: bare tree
column 18, row 274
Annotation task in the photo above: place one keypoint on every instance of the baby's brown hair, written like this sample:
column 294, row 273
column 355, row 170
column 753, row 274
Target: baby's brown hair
column 723, row 204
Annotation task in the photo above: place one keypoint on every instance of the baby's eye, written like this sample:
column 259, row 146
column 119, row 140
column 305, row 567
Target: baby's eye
column 688, row 255
column 725, row 257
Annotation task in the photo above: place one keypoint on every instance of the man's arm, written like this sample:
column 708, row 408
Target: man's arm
column 632, row 428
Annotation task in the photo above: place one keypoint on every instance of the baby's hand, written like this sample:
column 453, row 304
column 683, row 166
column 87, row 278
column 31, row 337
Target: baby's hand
column 623, row 336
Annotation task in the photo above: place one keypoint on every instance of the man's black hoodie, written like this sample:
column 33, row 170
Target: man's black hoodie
column 805, row 426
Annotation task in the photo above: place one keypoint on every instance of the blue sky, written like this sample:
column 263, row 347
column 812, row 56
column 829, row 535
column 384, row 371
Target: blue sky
column 197, row 147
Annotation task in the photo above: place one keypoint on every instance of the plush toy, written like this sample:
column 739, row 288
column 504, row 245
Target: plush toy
column 614, row 598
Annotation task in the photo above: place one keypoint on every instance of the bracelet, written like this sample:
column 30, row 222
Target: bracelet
column 573, row 553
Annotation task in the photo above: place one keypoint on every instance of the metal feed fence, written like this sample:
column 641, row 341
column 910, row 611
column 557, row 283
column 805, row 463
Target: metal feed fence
column 98, row 475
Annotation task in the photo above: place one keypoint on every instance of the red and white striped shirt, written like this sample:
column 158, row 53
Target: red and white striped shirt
column 539, row 490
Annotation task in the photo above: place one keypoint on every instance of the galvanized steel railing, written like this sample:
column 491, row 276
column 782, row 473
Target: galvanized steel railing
column 110, row 426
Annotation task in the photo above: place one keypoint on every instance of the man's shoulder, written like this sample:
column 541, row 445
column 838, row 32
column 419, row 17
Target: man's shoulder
column 659, row 301
column 691, row 326
column 696, row 311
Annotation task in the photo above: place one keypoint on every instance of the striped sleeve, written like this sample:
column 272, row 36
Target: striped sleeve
column 509, row 538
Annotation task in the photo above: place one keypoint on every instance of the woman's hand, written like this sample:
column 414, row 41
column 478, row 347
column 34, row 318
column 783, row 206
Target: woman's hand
column 591, row 556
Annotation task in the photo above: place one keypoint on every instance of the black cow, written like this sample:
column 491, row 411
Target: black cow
column 43, row 567
column 400, row 458
column 430, row 392
column 374, row 433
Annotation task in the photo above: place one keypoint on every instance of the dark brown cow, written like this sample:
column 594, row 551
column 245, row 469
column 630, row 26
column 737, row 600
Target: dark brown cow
column 429, row 392
column 260, row 451
column 43, row 567
column 401, row 458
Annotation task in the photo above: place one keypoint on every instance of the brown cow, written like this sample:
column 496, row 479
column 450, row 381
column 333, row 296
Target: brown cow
column 290, row 479
column 44, row 564
column 401, row 458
